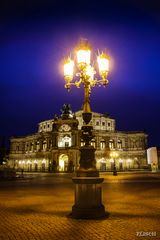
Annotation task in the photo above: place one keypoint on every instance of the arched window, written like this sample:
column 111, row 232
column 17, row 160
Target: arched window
column 43, row 165
column 32, row 147
column 27, row 147
column 97, row 123
column 63, row 162
column 44, row 145
column 111, row 144
column 37, row 146
column 119, row 144
column 35, row 165
column 102, row 144
column 82, row 143
column 93, row 143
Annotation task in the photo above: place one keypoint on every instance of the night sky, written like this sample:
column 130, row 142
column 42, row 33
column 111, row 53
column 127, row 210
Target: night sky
column 35, row 36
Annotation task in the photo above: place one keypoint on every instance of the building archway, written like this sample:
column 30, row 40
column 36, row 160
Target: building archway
column 63, row 162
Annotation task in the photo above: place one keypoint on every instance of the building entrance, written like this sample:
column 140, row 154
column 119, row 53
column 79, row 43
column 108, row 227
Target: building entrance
column 63, row 163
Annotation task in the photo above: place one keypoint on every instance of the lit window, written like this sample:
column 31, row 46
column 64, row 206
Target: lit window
column 102, row 144
column 64, row 141
column 111, row 144
column 37, row 146
column 93, row 143
column 44, row 146
column 119, row 144
column 82, row 143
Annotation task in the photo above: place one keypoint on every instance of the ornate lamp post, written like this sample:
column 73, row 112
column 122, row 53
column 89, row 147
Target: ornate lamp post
column 88, row 183
column 114, row 155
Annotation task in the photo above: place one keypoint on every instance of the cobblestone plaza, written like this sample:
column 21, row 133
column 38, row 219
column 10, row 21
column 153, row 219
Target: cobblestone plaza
column 37, row 207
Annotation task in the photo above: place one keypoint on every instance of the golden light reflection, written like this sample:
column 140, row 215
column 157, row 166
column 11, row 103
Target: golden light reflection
column 114, row 154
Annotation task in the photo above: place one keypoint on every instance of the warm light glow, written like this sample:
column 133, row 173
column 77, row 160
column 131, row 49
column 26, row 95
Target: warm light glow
column 83, row 57
column 68, row 69
column 90, row 72
column 129, row 160
column 61, row 164
column 83, row 72
column 111, row 160
column 103, row 64
column 114, row 154
column 83, row 53
column 121, row 160
column 102, row 160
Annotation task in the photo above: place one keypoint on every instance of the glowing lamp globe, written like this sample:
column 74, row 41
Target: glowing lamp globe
column 103, row 64
column 83, row 54
column 68, row 69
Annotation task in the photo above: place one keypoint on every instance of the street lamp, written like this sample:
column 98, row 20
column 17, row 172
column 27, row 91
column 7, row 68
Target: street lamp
column 76, row 73
column 114, row 155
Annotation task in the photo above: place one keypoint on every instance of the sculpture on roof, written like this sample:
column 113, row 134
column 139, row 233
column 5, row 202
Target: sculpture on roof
column 66, row 111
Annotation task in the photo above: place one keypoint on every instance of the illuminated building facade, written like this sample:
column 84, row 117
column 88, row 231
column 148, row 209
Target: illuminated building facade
column 55, row 147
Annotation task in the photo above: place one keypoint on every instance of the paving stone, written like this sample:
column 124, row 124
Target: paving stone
column 38, row 209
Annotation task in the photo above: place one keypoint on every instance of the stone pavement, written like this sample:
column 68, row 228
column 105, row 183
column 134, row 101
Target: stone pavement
column 38, row 208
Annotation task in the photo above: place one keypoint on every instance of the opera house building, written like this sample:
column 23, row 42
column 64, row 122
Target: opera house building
column 55, row 146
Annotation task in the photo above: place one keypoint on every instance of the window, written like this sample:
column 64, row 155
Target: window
column 119, row 144
column 66, row 144
column 64, row 141
column 27, row 146
column 31, row 147
column 93, row 143
column 17, row 148
column 37, row 146
column 111, row 144
column 97, row 123
column 109, row 124
column 102, row 144
column 44, row 146
column 82, row 143
column 103, row 124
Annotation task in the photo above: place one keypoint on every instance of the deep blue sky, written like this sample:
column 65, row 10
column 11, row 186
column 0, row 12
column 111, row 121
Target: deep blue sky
column 36, row 35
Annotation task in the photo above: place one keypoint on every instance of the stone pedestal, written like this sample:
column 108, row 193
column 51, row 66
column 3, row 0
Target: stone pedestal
column 88, row 202
column 87, row 163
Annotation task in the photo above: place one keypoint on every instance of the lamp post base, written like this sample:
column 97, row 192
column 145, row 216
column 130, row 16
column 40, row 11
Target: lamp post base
column 88, row 198
column 115, row 173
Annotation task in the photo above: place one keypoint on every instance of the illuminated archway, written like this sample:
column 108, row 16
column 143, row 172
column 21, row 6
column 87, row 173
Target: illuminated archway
column 63, row 162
